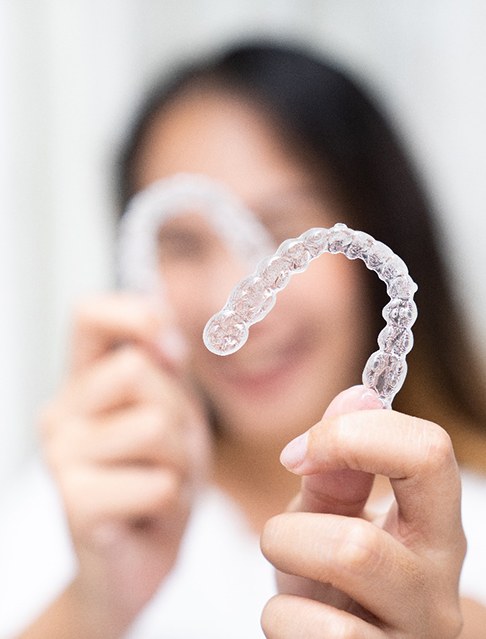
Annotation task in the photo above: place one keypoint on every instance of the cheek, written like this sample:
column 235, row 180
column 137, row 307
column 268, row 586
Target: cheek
column 331, row 292
column 187, row 294
column 196, row 292
column 328, row 301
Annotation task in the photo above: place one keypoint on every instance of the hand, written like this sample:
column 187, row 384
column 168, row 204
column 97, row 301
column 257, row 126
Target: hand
column 346, row 573
column 127, row 445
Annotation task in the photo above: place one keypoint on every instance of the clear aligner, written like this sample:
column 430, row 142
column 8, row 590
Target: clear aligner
column 253, row 298
column 138, row 253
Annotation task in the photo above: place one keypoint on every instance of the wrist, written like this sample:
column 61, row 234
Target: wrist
column 99, row 614
column 77, row 615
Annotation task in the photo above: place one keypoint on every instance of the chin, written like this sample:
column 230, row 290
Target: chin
column 275, row 417
column 284, row 387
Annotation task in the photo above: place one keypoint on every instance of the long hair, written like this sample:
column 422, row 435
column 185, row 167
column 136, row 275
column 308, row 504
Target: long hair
column 326, row 118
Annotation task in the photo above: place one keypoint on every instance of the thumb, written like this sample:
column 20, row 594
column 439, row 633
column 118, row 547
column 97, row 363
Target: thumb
column 341, row 492
column 352, row 399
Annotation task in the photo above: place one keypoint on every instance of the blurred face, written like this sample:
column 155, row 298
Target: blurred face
column 315, row 340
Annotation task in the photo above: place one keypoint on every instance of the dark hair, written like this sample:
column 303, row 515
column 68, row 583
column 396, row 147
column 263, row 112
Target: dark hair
column 322, row 110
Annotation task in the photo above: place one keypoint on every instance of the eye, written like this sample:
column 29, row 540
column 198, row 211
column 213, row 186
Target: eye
column 178, row 244
column 291, row 216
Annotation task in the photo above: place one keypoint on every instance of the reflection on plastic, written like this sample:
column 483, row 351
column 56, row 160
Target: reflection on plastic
column 138, row 250
column 254, row 297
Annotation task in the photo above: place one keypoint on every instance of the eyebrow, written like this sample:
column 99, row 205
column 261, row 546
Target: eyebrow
column 282, row 203
column 279, row 196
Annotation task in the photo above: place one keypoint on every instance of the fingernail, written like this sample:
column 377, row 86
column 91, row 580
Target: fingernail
column 293, row 455
column 370, row 400
column 173, row 345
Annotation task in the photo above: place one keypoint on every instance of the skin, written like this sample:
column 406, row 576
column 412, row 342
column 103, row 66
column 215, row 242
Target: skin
column 275, row 186
column 129, row 414
column 374, row 570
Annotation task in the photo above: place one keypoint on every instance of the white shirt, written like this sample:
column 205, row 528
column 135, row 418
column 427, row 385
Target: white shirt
column 221, row 580
column 473, row 577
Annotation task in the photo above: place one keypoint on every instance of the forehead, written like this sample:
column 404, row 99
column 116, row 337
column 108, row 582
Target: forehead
column 224, row 137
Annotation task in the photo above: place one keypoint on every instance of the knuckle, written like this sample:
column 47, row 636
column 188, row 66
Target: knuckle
column 293, row 616
column 152, row 427
column 74, row 487
column 454, row 621
column 336, row 438
column 340, row 627
column 132, row 363
column 359, row 550
column 159, row 435
column 67, row 446
column 343, row 440
column 272, row 619
column 269, row 539
column 84, row 311
column 163, row 493
column 447, row 621
column 438, row 449
column 55, row 443
column 335, row 434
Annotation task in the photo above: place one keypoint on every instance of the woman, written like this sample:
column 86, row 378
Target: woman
column 147, row 413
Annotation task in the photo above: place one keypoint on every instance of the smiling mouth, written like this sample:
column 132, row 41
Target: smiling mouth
column 262, row 368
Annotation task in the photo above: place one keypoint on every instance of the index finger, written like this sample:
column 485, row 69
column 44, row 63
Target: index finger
column 101, row 323
column 415, row 454
column 342, row 492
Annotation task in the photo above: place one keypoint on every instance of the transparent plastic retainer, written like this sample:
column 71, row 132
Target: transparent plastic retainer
column 254, row 297
column 138, row 252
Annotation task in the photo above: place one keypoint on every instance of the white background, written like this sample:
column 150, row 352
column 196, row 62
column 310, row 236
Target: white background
column 71, row 72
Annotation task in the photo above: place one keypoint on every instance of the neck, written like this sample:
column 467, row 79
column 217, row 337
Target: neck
column 260, row 485
column 254, row 478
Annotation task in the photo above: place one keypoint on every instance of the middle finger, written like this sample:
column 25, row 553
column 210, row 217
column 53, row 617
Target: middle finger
column 352, row 555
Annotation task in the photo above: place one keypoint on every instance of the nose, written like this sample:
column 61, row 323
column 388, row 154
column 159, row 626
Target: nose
column 248, row 304
column 220, row 281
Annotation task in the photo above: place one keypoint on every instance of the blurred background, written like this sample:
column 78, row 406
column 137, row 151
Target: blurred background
column 71, row 73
